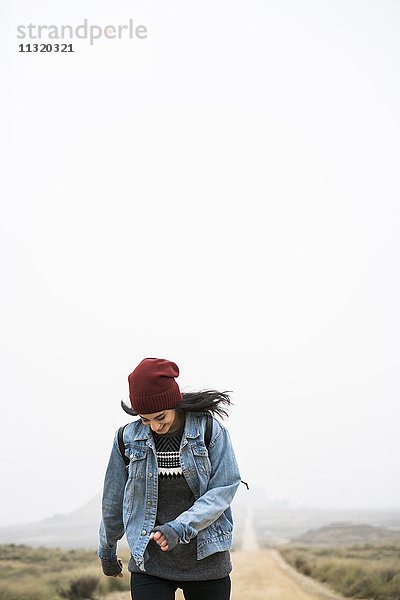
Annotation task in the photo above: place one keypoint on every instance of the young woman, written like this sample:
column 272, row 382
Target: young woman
column 173, row 499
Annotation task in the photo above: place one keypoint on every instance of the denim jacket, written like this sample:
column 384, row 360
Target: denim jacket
column 130, row 493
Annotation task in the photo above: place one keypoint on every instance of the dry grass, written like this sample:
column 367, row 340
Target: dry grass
column 28, row 573
column 38, row 574
column 359, row 570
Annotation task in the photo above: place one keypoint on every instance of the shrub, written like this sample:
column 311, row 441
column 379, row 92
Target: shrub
column 302, row 565
column 393, row 589
column 81, row 588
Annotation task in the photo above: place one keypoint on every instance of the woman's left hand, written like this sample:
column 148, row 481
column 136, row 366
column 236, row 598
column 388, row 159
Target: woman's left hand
column 121, row 565
column 158, row 537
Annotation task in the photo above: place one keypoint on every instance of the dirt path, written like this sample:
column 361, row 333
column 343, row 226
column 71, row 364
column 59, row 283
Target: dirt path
column 250, row 542
column 263, row 575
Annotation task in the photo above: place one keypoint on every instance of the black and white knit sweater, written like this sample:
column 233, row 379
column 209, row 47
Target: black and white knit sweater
column 168, row 462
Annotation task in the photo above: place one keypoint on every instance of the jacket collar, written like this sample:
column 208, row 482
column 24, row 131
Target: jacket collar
column 192, row 429
column 143, row 432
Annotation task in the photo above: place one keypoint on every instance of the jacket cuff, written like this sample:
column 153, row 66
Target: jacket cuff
column 184, row 535
column 107, row 553
column 170, row 535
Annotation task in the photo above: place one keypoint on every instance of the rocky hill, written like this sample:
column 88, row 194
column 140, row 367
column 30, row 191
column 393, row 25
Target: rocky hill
column 78, row 529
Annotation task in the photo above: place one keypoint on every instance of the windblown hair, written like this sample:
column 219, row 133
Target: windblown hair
column 206, row 400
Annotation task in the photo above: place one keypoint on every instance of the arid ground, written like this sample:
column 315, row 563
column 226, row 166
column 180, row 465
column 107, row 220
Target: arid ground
column 260, row 575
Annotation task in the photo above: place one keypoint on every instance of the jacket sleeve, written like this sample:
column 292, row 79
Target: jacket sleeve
column 224, row 481
column 112, row 526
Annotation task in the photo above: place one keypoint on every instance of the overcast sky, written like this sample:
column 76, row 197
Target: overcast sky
column 224, row 194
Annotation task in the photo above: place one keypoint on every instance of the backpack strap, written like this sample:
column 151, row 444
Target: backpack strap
column 208, row 432
column 207, row 438
column 121, row 444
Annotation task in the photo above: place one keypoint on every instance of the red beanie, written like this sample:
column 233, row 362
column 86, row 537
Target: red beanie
column 152, row 386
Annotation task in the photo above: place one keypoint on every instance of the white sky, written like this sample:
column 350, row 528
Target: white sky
column 224, row 194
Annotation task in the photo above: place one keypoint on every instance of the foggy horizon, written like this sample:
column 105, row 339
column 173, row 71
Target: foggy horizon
column 243, row 501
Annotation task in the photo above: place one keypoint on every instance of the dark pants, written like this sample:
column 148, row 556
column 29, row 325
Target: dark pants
column 148, row 587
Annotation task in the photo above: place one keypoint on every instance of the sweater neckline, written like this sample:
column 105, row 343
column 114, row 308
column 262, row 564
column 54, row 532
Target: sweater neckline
column 177, row 433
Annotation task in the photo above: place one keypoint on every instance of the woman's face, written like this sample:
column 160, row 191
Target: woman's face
column 163, row 421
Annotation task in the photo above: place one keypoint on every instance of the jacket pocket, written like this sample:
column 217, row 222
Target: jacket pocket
column 201, row 460
column 137, row 462
column 223, row 526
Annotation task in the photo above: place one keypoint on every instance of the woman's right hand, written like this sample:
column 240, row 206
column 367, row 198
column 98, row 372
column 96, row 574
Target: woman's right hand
column 121, row 564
